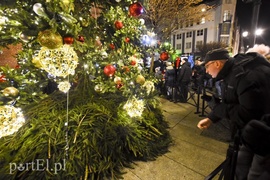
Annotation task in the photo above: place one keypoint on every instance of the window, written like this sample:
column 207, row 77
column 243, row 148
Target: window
column 200, row 32
column 198, row 43
column 189, row 34
column 227, row 15
column 178, row 36
column 188, row 45
column 224, row 40
column 225, row 28
column 178, row 46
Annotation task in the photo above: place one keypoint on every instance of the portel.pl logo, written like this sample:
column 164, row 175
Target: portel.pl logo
column 38, row 165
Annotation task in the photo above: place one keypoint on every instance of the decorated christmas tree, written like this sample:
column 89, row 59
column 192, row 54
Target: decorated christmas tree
column 77, row 101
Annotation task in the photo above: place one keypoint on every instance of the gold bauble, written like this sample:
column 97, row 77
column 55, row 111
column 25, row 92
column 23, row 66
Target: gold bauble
column 50, row 39
column 10, row 91
column 140, row 79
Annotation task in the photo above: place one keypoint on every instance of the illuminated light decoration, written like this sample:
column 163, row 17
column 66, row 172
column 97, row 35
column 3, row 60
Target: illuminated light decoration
column 64, row 86
column 11, row 119
column 134, row 107
column 58, row 62
column 149, row 86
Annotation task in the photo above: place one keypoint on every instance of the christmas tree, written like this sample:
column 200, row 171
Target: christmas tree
column 77, row 101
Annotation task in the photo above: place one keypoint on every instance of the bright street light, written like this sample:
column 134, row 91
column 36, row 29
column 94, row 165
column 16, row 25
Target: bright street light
column 258, row 32
column 245, row 34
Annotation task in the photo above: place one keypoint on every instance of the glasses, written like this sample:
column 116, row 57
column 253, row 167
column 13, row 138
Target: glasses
column 207, row 65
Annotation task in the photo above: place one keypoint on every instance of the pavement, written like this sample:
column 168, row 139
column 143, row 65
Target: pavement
column 194, row 154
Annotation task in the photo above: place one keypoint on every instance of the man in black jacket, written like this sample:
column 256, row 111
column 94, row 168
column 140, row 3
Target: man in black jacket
column 183, row 79
column 246, row 96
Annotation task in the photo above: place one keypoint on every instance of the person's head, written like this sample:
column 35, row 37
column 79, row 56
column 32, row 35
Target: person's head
column 184, row 60
column 215, row 60
column 198, row 61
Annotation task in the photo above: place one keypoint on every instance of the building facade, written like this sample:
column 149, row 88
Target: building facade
column 217, row 26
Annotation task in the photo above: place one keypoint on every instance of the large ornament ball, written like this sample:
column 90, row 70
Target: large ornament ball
column 164, row 56
column 50, row 39
column 10, row 91
column 109, row 70
column 140, row 79
column 135, row 9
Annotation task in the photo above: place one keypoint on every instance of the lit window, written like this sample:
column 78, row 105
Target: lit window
column 227, row 15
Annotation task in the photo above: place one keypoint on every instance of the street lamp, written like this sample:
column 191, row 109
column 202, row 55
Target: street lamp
column 245, row 34
column 255, row 17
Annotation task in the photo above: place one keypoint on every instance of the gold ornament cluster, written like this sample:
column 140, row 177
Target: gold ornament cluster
column 59, row 62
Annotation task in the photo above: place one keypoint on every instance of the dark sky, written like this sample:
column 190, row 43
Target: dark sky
column 244, row 12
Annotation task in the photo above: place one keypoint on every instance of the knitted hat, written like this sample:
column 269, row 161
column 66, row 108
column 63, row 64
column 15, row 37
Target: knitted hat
column 216, row 54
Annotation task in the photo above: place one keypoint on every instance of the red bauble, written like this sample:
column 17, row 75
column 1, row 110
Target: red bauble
column 133, row 63
column 81, row 39
column 127, row 40
column 119, row 85
column 112, row 46
column 118, row 25
column 135, row 9
column 68, row 40
column 109, row 70
column 126, row 69
column 164, row 56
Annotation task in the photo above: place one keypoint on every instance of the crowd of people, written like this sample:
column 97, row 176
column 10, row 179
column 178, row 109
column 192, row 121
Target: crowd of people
column 179, row 78
column 242, row 88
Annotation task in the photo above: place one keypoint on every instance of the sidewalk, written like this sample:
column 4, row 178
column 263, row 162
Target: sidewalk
column 193, row 156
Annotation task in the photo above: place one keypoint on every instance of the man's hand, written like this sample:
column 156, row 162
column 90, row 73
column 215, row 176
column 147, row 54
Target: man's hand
column 204, row 123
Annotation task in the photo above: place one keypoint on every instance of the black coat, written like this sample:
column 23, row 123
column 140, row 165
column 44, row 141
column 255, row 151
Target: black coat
column 170, row 77
column 246, row 94
column 185, row 74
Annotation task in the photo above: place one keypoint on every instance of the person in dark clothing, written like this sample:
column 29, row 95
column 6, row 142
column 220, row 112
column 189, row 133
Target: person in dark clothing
column 170, row 81
column 198, row 75
column 245, row 97
column 183, row 79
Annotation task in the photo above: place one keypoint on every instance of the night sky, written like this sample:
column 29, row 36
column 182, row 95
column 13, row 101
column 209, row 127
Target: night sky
column 244, row 13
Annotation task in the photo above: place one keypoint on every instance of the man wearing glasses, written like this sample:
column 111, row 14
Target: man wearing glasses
column 246, row 96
